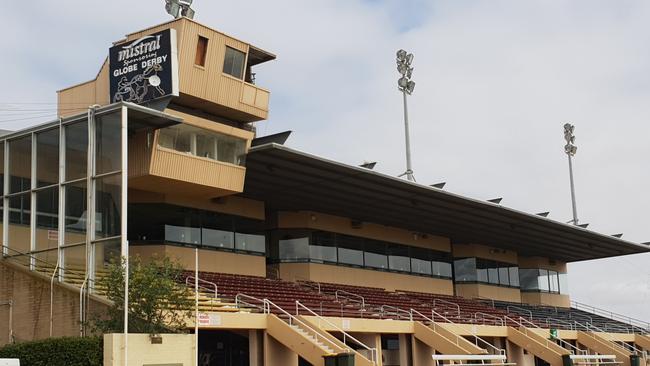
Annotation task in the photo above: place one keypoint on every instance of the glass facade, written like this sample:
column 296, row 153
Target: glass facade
column 543, row 280
column 479, row 270
column 202, row 143
column 48, row 213
column 169, row 224
column 333, row 248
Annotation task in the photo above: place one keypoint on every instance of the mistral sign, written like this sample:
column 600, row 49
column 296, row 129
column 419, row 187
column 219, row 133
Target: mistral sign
column 144, row 69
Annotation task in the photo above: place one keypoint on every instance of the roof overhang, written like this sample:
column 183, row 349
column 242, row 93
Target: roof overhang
column 288, row 179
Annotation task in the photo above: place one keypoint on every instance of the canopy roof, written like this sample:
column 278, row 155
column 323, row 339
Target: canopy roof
column 288, row 179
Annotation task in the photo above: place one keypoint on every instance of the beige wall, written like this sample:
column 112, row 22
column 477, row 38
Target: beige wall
column 342, row 225
column 30, row 294
column 175, row 349
column 543, row 263
column 364, row 277
column 481, row 291
column 209, row 260
column 541, row 298
column 486, row 252
column 277, row 354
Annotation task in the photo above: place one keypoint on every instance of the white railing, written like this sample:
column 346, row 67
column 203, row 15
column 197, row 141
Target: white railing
column 388, row 310
column 477, row 340
column 493, row 318
column 447, row 304
column 349, row 296
column 624, row 346
column 204, row 285
column 308, row 283
column 346, row 336
column 552, row 322
column 611, row 315
column 530, row 313
column 525, row 324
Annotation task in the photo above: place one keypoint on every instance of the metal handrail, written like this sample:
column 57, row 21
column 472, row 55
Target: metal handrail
column 448, row 303
column 636, row 351
column 373, row 351
column 268, row 304
column 343, row 292
column 490, row 316
column 610, row 314
column 573, row 349
column 530, row 313
column 477, row 339
column 581, row 316
column 239, row 301
column 551, row 321
column 395, row 311
column 213, row 286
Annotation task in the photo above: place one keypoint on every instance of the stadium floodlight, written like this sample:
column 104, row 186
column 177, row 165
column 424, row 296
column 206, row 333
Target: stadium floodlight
column 179, row 8
column 406, row 86
column 570, row 149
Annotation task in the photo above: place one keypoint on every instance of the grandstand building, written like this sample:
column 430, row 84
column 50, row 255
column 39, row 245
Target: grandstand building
column 300, row 257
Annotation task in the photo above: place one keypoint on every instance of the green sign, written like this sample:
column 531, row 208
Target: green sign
column 553, row 333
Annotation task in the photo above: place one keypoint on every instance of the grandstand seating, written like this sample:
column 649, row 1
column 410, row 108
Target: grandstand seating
column 566, row 318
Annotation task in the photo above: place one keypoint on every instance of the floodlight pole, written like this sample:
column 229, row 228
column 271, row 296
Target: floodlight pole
column 409, row 169
column 573, row 191
column 570, row 149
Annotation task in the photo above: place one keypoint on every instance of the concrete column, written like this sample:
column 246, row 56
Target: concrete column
column 255, row 348
column 275, row 353
column 421, row 353
column 517, row 355
column 405, row 358
column 372, row 340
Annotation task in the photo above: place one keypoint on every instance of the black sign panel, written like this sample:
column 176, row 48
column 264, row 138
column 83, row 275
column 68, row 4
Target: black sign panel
column 144, row 69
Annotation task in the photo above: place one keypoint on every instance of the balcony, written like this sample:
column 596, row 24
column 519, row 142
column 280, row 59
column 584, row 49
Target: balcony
column 187, row 160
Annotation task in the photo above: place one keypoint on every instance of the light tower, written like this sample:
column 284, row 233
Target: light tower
column 570, row 149
column 179, row 8
column 406, row 86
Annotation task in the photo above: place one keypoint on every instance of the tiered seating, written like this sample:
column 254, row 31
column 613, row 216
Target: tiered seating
column 567, row 318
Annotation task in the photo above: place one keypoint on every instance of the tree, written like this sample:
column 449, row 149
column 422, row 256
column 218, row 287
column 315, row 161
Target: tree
column 159, row 302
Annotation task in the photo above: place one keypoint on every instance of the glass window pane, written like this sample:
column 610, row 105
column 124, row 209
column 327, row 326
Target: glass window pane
column 528, row 279
column 350, row 250
column 441, row 269
column 19, row 224
column 75, row 212
column 465, row 270
column 47, row 157
column 493, row 275
column 504, row 276
column 76, row 150
column 553, row 281
column 234, row 62
column 250, row 242
column 563, row 279
column 323, row 247
column 47, row 218
column 104, row 252
column 542, row 279
column 108, row 143
column 420, row 266
column 46, row 261
column 20, row 164
column 203, row 143
column 398, row 258
column 182, row 234
column 74, row 259
column 294, row 249
column 218, row 238
column 108, row 206
column 514, row 276
column 375, row 260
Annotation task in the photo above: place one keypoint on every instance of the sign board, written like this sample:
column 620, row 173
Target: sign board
column 9, row 362
column 52, row 235
column 209, row 319
column 145, row 69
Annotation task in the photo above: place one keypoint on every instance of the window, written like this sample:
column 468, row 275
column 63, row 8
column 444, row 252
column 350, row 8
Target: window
column 294, row 249
column 564, row 283
column 486, row 271
column 20, row 164
column 201, row 51
column 323, row 248
column 465, row 270
column 203, row 143
column 554, row 286
column 350, row 250
column 108, row 143
column 528, row 279
column 76, row 147
column 543, row 280
column 514, row 276
column 420, row 261
column 398, row 258
column 233, row 63
column 47, row 158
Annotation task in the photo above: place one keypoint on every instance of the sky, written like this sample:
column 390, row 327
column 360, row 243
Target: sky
column 496, row 81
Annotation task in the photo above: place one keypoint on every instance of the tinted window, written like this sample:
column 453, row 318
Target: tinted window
column 234, row 63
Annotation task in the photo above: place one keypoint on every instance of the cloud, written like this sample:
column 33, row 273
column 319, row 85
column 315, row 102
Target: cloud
column 496, row 80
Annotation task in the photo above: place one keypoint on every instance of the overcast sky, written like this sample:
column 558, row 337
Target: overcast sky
column 496, row 81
